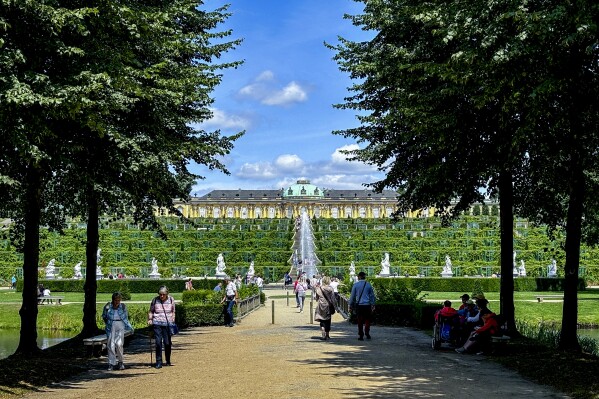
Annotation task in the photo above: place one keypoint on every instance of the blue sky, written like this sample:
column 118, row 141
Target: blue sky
column 283, row 97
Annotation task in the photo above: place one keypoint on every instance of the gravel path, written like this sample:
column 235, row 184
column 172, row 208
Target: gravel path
column 260, row 360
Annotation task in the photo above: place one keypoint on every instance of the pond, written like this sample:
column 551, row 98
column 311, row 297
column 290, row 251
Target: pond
column 589, row 332
column 9, row 339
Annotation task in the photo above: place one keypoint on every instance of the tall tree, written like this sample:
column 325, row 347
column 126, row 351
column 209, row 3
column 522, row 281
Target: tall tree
column 441, row 114
column 35, row 40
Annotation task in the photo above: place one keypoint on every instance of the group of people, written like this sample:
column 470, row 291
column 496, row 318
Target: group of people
column 472, row 325
column 325, row 290
column 161, row 316
column 41, row 293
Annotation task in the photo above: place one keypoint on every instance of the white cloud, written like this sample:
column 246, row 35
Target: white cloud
column 258, row 170
column 221, row 119
column 289, row 162
column 266, row 75
column 292, row 93
column 337, row 157
column 265, row 90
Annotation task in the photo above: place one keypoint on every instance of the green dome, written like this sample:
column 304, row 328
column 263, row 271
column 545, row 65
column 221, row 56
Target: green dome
column 303, row 189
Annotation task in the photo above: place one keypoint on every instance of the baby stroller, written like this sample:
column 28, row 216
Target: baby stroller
column 446, row 330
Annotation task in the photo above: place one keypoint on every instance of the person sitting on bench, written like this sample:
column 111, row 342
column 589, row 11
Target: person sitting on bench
column 480, row 338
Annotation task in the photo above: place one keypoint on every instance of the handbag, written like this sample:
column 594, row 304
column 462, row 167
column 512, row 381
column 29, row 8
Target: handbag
column 332, row 308
column 173, row 329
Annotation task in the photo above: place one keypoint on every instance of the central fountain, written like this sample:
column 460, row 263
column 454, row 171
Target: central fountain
column 304, row 247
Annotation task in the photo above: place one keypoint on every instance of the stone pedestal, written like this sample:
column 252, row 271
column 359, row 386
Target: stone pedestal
column 221, row 275
column 447, row 274
column 50, row 276
column 154, row 275
column 384, row 275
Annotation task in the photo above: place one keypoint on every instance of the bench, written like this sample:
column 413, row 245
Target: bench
column 50, row 299
column 100, row 340
column 541, row 297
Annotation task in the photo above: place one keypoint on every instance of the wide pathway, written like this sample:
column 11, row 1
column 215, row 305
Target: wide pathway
column 257, row 359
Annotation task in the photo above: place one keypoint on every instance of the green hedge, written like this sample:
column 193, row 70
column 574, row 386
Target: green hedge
column 196, row 314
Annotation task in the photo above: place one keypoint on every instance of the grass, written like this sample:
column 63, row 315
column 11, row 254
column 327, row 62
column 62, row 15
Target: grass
column 527, row 308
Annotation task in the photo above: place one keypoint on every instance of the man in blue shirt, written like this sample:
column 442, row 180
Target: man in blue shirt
column 361, row 302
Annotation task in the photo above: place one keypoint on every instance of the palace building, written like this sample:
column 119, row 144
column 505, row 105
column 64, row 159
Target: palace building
column 290, row 202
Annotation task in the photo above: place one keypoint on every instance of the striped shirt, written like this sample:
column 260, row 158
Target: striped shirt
column 160, row 310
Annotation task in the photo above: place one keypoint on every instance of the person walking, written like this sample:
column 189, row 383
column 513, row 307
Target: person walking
column 161, row 316
column 116, row 317
column 362, row 303
column 325, row 307
column 300, row 289
column 229, row 299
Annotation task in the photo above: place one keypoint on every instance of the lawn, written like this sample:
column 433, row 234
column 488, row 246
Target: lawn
column 529, row 310
column 68, row 316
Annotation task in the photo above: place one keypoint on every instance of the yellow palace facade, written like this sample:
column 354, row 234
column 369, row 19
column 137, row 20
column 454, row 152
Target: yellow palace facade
column 291, row 201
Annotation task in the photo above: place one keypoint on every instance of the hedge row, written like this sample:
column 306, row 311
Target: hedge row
column 457, row 284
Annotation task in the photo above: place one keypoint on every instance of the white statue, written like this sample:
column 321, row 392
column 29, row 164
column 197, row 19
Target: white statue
column 77, row 270
column 385, row 265
column 251, row 269
column 552, row 269
column 50, row 269
column 447, row 267
column 515, row 271
column 99, row 255
column 154, row 266
column 522, row 269
column 352, row 268
column 220, row 264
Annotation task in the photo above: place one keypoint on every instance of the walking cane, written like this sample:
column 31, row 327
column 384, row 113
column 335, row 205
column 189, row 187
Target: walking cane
column 151, row 351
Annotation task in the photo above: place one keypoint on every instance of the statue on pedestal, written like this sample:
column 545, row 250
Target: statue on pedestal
column 515, row 272
column 154, row 273
column 447, row 272
column 385, row 265
column 552, row 269
column 352, row 269
column 50, row 269
column 220, row 265
column 77, row 271
column 522, row 268
column 251, row 269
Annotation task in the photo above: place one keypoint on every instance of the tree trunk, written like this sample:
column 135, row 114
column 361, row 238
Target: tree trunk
column 506, row 233
column 28, row 312
column 568, row 338
column 90, row 328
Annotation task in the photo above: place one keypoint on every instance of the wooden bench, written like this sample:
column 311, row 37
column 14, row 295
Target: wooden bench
column 50, row 299
column 99, row 341
column 541, row 297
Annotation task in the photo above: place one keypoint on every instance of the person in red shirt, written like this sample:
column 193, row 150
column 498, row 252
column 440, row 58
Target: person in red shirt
column 446, row 311
column 480, row 338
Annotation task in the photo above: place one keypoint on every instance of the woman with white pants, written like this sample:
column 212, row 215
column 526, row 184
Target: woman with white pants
column 117, row 322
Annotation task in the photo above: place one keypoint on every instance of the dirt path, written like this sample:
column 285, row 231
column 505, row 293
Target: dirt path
column 257, row 359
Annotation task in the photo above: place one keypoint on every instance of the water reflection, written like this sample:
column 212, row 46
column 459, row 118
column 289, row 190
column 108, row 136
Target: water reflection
column 9, row 339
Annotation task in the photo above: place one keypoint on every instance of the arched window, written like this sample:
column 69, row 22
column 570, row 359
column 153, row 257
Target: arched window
column 334, row 212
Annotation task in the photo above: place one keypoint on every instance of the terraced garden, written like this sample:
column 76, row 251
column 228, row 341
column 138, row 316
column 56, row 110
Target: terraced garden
column 415, row 246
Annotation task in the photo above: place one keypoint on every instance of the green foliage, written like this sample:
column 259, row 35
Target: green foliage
column 195, row 314
column 201, row 296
